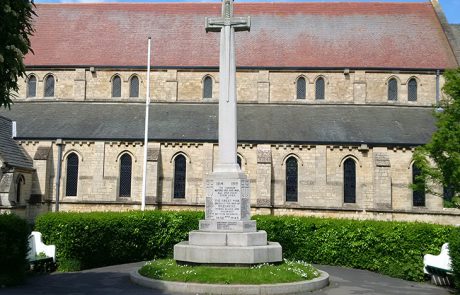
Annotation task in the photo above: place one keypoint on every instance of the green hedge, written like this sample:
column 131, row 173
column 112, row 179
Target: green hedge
column 85, row 240
column 14, row 233
column 391, row 248
column 454, row 252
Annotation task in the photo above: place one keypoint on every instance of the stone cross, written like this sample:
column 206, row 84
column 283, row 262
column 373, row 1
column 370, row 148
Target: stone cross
column 227, row 24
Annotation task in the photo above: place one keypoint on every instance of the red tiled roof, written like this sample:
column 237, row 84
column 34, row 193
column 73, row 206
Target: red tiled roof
column 368, row 35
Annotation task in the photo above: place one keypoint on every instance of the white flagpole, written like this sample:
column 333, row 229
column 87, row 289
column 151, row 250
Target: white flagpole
column 146, row 132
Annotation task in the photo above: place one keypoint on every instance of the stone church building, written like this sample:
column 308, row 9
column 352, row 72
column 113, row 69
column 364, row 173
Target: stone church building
column 333, row 99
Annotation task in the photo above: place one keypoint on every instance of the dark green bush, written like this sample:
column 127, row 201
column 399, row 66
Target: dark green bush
column 391, row 248
column 14, row 233
column 85, row 240
column 454, row 253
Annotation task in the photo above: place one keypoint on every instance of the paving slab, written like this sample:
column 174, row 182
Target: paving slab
column 115, row 280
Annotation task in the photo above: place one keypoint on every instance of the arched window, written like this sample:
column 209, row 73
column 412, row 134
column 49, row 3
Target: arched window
column 49, row 86
column 349, row 181
column 393, row 89
column 72, row 175
column 207, row 87
column 291, row 180
column 238, row 160
column 134, row 87
column 125, row 176
column 418, row 197
column 32, row 86
column 20, row 181
column 319, row 88
column 301, row 88
column 180, row 170
column 412, row 90
column 116, row 86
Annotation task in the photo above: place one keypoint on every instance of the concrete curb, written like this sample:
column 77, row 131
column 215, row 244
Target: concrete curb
column 195, row 288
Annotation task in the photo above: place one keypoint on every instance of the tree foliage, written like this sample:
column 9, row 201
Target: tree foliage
column 439, row 159
column 15, row 29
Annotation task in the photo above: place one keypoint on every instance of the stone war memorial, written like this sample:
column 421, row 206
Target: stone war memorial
column 227, row 235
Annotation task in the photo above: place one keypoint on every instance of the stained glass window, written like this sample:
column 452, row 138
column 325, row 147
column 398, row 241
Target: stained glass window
column 49, row 86
column 32, row 86
column 301, row 88
column 291, row 179
column 125, row 175
column 349, row 181
column 72, row 175
column 412, row 90
column 134, row 87
column 418, row 197
column 207, row 87
column 180, row 170
column 392, row 89
column 319, row 93
column 116, row 86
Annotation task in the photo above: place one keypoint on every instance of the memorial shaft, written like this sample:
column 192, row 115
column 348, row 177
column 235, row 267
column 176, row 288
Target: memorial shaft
column 226, row 25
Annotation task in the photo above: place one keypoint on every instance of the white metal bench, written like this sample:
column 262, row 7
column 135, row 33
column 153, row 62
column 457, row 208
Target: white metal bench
column 439, row 267
column 40, row 256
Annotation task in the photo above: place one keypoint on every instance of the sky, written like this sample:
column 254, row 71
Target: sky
column 451, row 7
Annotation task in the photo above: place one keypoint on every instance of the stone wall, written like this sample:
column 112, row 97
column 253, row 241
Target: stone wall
column 355, row 87
column 383, row 177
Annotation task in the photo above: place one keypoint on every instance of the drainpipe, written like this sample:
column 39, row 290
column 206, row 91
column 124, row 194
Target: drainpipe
column 437, row 87
column 439, row 109
column 58, row 176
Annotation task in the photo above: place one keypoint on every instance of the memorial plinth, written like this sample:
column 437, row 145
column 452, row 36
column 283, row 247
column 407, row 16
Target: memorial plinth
column 227, row 235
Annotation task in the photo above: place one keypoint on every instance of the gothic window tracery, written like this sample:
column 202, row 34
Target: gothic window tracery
column 291, row 179
column 180, row 171
column 349, row 181
column 125, row 175
column 32, row 86
column 49, row 86
column 72, row 175
column 134, row 87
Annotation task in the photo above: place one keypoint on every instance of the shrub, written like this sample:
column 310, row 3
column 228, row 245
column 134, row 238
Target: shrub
column 391, row 248
column 85, row 240
column 14, row 233
column 454, row 252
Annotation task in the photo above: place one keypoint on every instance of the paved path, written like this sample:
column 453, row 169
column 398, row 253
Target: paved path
column 114, row 280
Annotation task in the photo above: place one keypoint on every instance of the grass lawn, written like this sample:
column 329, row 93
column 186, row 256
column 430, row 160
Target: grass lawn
column 286, row 272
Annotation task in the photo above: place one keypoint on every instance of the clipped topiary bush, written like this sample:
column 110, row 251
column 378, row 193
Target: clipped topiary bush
column 392, row 248
column 14, row 233
column 454, row 253
column 85, row 240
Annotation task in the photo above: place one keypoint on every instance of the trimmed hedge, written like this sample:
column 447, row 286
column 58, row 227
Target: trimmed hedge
column 454, row 253
column 85, row 240
column 88, row 240
column 392, row 248
column 14, row 233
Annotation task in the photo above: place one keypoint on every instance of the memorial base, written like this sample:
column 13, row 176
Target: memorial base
column 227, row 255
column 228, row 236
